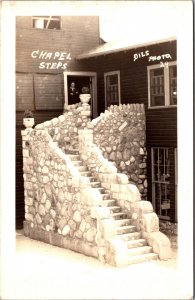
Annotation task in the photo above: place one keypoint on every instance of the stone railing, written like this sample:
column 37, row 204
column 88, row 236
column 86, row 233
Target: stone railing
column 127, row 195
column 64, row 129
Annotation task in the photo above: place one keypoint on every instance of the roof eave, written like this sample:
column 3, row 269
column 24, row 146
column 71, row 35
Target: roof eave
column 95, row 54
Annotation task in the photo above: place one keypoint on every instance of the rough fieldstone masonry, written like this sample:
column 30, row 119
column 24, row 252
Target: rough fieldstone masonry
column 64, row 129
column 120, row 134
column 74, row 195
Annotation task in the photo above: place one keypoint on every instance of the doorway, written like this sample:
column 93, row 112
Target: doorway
column 81, row 79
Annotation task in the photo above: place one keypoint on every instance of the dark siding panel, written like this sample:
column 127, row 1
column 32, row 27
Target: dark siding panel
column 161, row 127
column 24, row 92
column 19, row 179
column 48, row 91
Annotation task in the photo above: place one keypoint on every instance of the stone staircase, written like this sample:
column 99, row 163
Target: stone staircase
column 138, row 249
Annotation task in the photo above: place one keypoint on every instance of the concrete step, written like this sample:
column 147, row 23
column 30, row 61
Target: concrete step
column 123, row 222
column 77, row 163
column 130, row 236
column 126, row 229
column 85, row 173
column 82, row 168
column 110, row 202
column 136, row 243
column 95, row 184
column 72, row 151
column 91, row 178
column 139, row 250
column 114, row 209
column 101, row 189
column 118, row 215
column 142, row 258
column 105, row 196
column 74, row 157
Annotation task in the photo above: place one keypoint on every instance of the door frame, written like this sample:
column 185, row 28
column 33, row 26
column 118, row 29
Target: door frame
column 93, row 76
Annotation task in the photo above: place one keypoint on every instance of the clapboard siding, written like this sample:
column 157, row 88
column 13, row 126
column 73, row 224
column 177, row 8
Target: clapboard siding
column 19, row 202
column 161, row 127
column 39, row 116
column 49, row 93
column 24, row 92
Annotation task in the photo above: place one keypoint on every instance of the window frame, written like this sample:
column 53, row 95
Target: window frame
column 166, row 85
column 154, row 181
column 50, row 18
column 119, row 86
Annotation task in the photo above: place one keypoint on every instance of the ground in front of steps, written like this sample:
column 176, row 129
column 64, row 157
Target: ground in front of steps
column 42, row 271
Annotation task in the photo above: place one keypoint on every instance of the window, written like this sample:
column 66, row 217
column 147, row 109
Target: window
column 161, row 181
column 162, row 85
column 112, row 88
column 46, row 22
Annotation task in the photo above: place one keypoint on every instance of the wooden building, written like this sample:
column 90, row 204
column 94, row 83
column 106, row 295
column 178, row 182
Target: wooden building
column 146, row 74
column 52, row 52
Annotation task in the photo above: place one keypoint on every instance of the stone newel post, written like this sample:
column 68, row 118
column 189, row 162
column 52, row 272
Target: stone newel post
column 85, row 137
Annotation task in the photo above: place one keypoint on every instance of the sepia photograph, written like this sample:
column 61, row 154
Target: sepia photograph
column 97, row 150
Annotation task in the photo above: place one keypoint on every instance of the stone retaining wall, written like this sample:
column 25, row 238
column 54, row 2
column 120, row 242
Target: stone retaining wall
column 120, row 134
column 57, row 199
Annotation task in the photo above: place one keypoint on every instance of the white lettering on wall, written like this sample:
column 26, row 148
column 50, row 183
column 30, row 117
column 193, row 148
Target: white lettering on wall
column 159, row 58
column 140, row 54
column 164, row 64
column 60, row 57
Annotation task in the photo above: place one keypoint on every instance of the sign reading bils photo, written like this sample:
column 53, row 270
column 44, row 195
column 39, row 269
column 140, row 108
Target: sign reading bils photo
column 51, row 60
column 146, row 53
